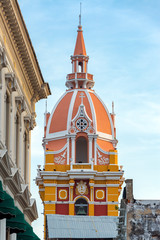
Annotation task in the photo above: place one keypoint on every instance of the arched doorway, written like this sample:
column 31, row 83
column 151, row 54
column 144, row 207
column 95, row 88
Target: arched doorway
column 81, row 207
column 81, row 150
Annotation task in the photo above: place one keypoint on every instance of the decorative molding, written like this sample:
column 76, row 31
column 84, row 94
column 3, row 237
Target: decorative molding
column 56, row 152
column 61, row 159
column 63, row 194
column 105, row 136
column 105, row 152
column 102, row 160
column 100, row 194
column 23, row 47
column 71, row 109
column 81, row 188
column 3, row 59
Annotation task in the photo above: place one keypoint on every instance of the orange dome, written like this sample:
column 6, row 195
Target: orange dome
column 80, row 118
column 98, row 118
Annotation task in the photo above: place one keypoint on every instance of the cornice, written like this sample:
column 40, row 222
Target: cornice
column 22, row 43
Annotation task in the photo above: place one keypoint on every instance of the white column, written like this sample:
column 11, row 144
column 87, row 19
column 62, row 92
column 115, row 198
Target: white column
column 83, row 65
column 2, row 104
column 21, row 154
column 73, row 67
column 29, row 159
column 77, row 70
column 12, row 126
column 67, row 150
column 76, row 80
column 95, row 151
column 3, row 229
column 23, row 162
column 90, row 148
column 73, row 148
column 5, row 118
column 13, row 236
column 27, row 169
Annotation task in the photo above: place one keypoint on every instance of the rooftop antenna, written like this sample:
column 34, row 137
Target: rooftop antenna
column 80, row 14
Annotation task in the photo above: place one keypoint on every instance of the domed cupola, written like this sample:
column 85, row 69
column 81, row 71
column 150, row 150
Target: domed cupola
column 80, row 113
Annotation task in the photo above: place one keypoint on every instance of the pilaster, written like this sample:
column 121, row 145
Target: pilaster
column 2, row 104
column 95, row 151
column 68, row 140
column 71, row 205
column 73, row 138
column 91, row 204
column 90, row 138
column 3, row 229
column 12, row 127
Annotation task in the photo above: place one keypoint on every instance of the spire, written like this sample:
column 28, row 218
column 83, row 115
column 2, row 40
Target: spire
column 79, row 78
column 80, row 45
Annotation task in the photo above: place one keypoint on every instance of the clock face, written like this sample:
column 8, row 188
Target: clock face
column 81, row 124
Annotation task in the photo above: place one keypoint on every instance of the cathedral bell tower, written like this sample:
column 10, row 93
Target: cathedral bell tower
column 81, row 175
column 79, row 78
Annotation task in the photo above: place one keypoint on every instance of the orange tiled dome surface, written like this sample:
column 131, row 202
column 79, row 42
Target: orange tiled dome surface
column 66, row 109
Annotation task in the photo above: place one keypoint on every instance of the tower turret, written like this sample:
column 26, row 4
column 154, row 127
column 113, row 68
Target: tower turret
column 79, row 78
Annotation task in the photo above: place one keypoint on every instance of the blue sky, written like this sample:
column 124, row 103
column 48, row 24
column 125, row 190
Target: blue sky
column 123, row 42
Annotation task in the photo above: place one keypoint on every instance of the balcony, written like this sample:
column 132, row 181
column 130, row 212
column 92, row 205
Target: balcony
column 79, row 76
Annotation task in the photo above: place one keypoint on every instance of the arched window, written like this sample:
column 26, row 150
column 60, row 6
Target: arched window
column 81, row 150
column 81, row 207
column 80, row 67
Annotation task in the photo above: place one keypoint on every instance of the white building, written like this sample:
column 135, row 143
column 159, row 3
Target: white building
column 21, row 86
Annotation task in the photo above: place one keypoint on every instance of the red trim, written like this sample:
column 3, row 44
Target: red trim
column 100, row 210
column 62, row 209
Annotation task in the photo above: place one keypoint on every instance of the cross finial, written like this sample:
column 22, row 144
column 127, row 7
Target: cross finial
column 80, row 15
column 82, row 96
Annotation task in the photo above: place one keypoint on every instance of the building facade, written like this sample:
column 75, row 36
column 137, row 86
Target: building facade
column 21, row 86
column 139, row 219
column 81, row 175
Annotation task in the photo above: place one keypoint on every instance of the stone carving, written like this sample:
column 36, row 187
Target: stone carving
column 81, row 188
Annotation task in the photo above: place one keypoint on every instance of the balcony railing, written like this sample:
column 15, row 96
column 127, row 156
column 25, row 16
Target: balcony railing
column 80, row 166
column 72, row 76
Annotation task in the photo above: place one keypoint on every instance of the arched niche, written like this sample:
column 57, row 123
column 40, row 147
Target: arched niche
column 81, row 207
column 81, row 150
column 80, row 67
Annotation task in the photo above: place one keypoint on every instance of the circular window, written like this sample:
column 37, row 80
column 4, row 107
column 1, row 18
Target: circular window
column 81, row 124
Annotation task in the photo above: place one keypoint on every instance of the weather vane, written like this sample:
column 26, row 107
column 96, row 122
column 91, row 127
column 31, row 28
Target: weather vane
column 80, row 14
